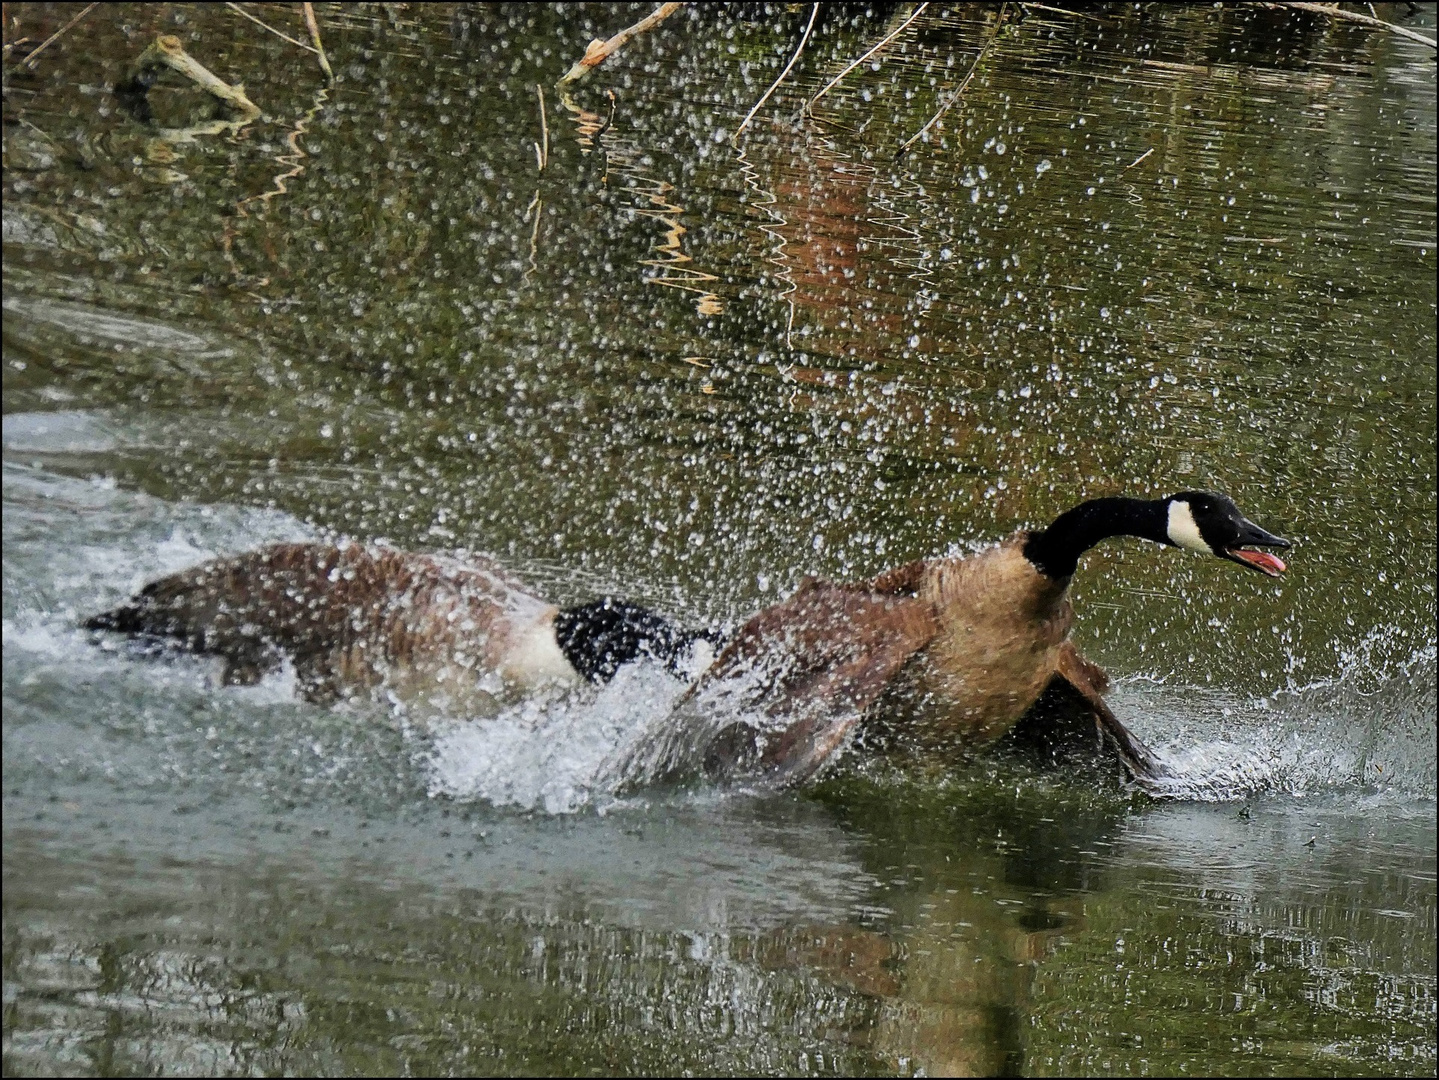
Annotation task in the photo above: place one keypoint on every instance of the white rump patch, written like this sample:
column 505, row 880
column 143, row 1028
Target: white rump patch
column 534, row 658
column 1183, row 530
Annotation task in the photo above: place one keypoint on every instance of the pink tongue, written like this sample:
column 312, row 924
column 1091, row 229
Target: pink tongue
column 1260, row 560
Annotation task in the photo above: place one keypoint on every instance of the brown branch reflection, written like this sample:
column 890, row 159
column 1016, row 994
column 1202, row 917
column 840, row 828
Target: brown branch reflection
column 672, row 269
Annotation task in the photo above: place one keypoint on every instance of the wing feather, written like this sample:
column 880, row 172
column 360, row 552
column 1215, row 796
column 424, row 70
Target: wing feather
column 1071, row 723
column 798, row 676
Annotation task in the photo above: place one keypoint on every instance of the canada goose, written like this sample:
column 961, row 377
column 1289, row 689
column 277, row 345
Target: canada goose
column 939, row 653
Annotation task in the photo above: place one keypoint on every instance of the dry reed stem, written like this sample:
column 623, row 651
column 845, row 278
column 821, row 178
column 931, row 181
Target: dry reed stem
column 598, row 51
column 31, row 60
column 813, row 13
column 313, row 25
column 1335, row 12
column 993, row 36
column 919, row 10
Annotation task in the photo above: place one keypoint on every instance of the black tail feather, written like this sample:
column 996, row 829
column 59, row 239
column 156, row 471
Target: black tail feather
column 602, row 636
column 128, row 619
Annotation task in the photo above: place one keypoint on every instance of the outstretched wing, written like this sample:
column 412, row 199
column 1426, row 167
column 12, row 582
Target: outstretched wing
column 783, row 696
column 1071, row 722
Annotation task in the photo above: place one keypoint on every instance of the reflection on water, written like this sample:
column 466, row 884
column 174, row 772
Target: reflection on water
column 1150, row 249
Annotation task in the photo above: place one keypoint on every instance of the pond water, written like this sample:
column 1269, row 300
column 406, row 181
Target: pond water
column 1148, row 249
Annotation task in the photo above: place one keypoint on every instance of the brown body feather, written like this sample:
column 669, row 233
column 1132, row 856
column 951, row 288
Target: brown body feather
column 353, row 618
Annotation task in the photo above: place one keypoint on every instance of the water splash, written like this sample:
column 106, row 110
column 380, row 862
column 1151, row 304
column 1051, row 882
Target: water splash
column 552, row 754
column 1366, row 728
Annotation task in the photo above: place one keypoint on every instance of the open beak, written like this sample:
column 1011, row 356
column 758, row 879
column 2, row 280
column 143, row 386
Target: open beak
column 1251, row 536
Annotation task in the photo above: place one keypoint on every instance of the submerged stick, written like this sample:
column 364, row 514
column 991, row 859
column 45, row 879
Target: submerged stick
column 993, row 36
column 919, row 10
column 30, row 60
column 813, row 13
column 313, row 25
column 598, row 51
column 166, row 51
column 1335, row 12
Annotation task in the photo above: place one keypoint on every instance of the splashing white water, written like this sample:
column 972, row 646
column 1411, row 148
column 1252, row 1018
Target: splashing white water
column 1361, row 728
column 553, row 754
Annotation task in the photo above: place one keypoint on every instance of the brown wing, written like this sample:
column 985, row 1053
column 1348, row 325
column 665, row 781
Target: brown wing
column 781, row 698
column 1072, row 722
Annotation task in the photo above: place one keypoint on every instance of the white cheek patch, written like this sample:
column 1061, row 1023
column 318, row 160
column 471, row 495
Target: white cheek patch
column 1183, row 530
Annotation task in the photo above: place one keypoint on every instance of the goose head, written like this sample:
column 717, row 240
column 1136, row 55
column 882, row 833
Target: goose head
column 1211, row 524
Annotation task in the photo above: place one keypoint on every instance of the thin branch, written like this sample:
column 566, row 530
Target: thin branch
column 238, row 10
column 813, row 13
column 897, row 31
column 1060, row 11
column 993, row 36
column 598, row 50
column 313, row 25
column 34, row 56
column 544, row 154
column 1140, row 158
column 1355, row 17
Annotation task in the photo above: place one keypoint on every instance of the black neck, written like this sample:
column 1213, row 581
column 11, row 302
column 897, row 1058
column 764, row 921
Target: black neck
column 1057, row 549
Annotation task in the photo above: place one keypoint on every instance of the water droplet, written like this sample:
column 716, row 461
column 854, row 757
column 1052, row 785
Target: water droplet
column 1043, row 167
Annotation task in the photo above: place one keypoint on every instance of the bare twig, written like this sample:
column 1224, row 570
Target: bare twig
column 238, row 10
column 313, row 25
column 34, row 56
column 1140, row 158
column 598, row 50
column 993, row 36
column 542, row 151
column 1335, row 12
column 919, row 10
column 813, row 13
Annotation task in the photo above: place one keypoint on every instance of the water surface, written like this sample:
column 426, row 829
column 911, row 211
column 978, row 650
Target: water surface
column 1148, row 250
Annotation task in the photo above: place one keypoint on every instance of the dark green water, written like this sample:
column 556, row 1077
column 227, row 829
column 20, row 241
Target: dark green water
column 1148, row 250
